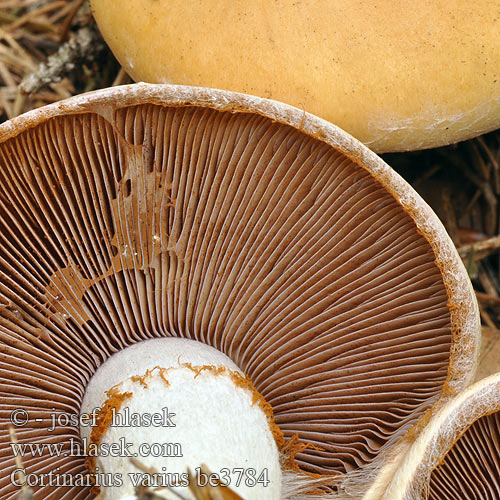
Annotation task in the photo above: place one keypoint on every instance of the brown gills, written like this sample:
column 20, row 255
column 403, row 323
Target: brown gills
column 471, row 469
column 230, row 229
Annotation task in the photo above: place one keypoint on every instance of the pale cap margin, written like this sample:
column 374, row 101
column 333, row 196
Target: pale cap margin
column 411, row 481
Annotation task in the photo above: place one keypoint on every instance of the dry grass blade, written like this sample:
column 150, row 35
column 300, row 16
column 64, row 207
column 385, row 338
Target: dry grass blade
column 26, row 493
column 33, row 14
column 35, row 26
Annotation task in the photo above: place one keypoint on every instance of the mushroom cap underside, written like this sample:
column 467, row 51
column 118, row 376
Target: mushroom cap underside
column 457, row 457
column 471, row 469
column 149, row 211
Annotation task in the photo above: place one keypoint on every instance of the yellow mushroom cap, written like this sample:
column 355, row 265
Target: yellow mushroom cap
column 398, row 75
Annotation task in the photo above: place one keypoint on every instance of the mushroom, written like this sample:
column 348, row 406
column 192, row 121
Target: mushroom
column 200, row 384
column 253, row 231
column 457, row 457
column 397, row 75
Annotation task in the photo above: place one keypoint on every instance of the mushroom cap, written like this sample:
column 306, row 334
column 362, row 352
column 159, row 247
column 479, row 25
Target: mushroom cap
column 150, row 211
column 397, row 75
column 457, row 457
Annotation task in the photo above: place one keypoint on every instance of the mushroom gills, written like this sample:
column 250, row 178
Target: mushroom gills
column 471, row 469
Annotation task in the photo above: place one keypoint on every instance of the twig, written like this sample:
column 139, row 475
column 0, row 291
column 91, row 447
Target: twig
column 19, row 103
column 17, row 49
column 4, row 103
column 6, row 76
column 479, row 160
column 481, row 248
column 427, row 175
column 490, row 218
column 488, row 300
column 472, row 201
column 82, row 46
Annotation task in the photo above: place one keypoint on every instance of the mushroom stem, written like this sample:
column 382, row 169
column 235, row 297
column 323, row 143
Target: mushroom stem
column 175, row 405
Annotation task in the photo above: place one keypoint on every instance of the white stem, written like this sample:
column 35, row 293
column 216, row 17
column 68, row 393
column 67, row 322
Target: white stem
column 183, row 405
